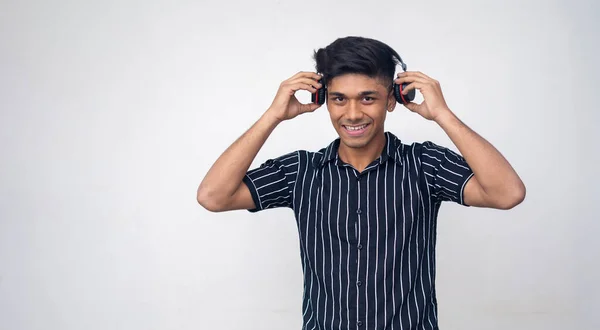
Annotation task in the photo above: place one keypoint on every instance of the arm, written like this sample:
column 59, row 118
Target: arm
column 494, row 184
column 222, row 188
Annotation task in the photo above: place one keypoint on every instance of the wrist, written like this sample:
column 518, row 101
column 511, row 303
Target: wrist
column 445, row 117
column 270, row 117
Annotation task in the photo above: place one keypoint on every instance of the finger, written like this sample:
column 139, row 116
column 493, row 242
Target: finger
column 305, row 74
column 419, row 75
column 410, row 79
column 310, row 107
column 308, row 81
column 302, row 86
column 415, row 74
column 414, row 85
column 412, row 106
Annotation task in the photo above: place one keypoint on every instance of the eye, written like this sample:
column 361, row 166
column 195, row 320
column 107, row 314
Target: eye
column 338, row 98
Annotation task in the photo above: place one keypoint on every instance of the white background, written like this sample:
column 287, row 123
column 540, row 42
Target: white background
column 113, row 111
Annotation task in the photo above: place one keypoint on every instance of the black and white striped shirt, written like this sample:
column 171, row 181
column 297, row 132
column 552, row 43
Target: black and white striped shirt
column 367, row 239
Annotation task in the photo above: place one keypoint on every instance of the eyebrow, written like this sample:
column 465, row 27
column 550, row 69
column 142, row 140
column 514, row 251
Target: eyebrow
column 364, row 93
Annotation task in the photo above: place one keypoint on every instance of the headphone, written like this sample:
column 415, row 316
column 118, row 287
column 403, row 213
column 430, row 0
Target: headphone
column 319, row 96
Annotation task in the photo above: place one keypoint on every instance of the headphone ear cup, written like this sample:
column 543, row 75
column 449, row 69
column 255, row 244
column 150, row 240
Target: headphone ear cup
column 400, row 98
column 319, row 96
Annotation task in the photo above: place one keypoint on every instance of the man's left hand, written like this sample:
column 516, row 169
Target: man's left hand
column 433, row 104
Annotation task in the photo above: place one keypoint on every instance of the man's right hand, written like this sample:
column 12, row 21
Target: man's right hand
column 222, row 188
column 285, row 105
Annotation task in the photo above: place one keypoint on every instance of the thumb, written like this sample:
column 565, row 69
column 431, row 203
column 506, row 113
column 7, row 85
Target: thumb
column 310, row 107
column 411, row 106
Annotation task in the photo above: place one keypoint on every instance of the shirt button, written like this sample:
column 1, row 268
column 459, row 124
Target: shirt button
column 359, row 211
column 359, row 283
column 359, row 246
column 359, row 323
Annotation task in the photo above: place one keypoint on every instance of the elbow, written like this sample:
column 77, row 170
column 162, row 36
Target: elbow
column 514, row 198
column 208, row 201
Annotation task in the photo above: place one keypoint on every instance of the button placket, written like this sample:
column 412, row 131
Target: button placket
column 359, row 246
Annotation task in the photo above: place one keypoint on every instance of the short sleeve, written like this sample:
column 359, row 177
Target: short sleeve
column 446, row 173
column 272, row 183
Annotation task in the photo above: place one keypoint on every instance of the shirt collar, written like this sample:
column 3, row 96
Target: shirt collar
column 390, row 151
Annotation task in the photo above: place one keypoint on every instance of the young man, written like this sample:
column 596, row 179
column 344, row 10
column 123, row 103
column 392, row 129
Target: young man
column 366, row 205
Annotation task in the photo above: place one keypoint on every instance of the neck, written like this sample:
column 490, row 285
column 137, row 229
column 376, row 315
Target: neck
column 361, row 157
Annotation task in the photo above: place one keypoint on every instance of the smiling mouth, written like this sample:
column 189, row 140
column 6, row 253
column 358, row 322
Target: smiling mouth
column 355, row 129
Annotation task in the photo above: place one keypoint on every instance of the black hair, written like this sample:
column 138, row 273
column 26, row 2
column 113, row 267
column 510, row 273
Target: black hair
column 357, row 55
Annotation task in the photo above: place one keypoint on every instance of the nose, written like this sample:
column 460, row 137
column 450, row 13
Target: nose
column 354, row 113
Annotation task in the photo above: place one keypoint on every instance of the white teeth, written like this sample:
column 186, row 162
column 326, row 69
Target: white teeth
column 355, row 128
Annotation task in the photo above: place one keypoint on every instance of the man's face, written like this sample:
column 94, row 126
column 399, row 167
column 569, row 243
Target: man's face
column 357, row 106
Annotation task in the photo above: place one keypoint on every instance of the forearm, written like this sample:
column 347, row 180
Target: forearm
column 493, row 172
column 226, row 174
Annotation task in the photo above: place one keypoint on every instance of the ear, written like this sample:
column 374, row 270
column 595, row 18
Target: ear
column 391, row 102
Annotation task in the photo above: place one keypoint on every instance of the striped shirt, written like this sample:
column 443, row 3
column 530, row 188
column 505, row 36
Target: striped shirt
column 367, row 239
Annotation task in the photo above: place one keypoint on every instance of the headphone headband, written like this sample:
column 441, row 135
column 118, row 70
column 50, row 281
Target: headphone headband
column 319, row 96
column 402, row 64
